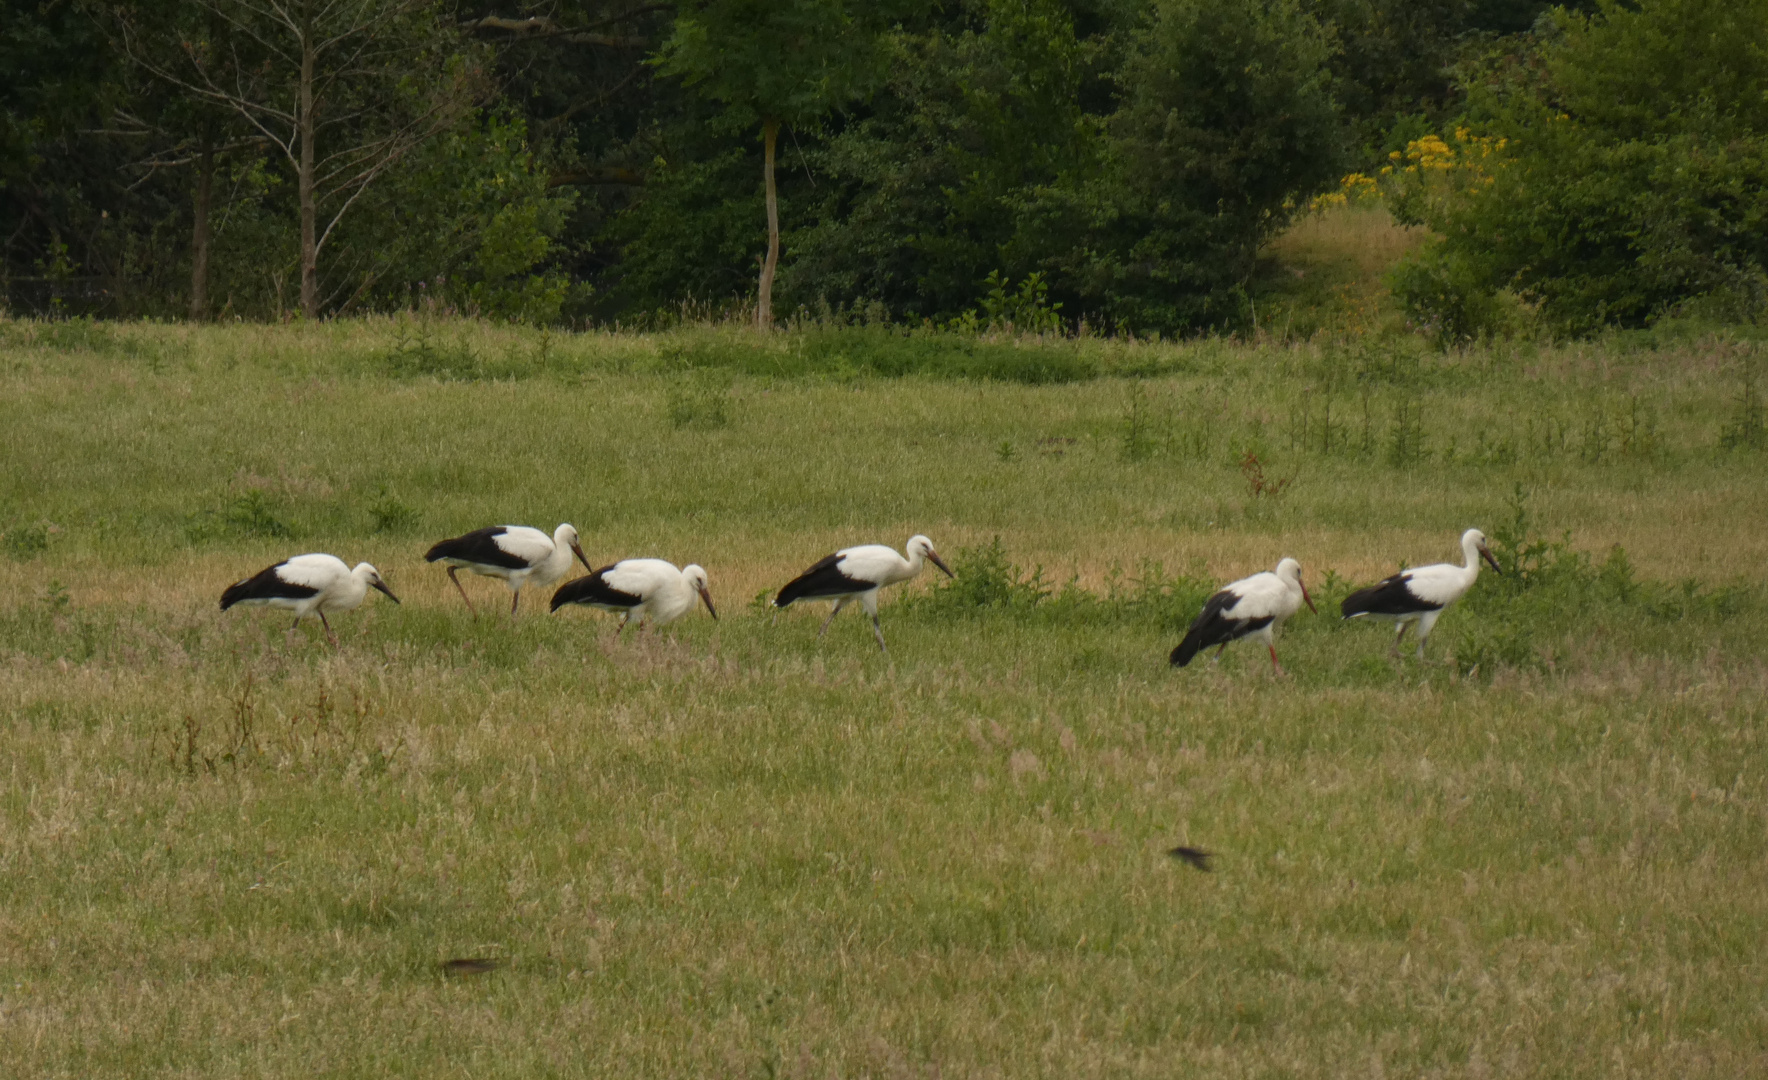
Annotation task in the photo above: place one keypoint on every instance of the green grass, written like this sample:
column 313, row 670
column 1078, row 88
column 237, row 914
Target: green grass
column 733, row 849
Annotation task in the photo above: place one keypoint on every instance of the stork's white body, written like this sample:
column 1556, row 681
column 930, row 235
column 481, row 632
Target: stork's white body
column 650, row 592
column 1253, row 607
column 312, row 584
column 1419, row 596
column 519, row 555
column 857, row 574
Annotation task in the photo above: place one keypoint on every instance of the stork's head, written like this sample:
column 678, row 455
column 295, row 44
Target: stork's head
column 920, row 545
column 566, row 536
column 372, row 578
column 1475, row 540
column 1290, row 572
column 695, row 576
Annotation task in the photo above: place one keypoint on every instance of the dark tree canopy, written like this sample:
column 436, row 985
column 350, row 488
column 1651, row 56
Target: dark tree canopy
column 619, row 159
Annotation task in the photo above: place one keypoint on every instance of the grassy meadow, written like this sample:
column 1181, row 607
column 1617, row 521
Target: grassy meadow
column 731, row 849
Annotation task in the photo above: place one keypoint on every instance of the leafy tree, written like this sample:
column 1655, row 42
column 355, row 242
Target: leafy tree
column 1634, row 173
column 57, row 77
column 1227, row 122
column 343, row 89
column 777, row 62
column 926, row 195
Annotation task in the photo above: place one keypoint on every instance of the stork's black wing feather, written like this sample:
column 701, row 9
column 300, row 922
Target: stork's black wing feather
column 1213, row 627
column 1389, row 596
column 478, row 547
column 823, row 579
column 593, row 589
column 265, row 585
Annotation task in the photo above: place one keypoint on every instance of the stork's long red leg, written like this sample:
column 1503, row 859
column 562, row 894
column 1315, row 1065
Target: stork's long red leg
column 452, row 570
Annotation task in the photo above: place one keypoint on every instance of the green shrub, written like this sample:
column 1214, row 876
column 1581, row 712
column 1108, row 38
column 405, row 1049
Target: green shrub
column 699, row 399
column 1449, row 300
column 389, row 515
column 879, row 351
column 25, row 541
column 249, row 516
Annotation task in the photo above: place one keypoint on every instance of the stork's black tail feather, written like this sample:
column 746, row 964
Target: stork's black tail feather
column 820, row 580
column 1190, row 647
column 593, row 588
column 458, row 547
column 1359, row 602
column 263, row 585
column 236, row 592
column 1207, row 629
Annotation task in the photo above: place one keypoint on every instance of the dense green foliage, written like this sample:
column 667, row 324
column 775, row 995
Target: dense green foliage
column 1633, row 181
column 1123, row 161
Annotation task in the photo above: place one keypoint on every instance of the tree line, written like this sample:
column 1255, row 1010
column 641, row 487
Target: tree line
column 617, row 160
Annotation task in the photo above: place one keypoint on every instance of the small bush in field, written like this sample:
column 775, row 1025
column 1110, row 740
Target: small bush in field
column 249, row 516
column 699, row 400
column 389, row 515
column 23, row 541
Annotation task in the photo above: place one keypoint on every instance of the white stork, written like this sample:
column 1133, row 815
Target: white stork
column 857, row 573
column 516, row 553
column 1420, row 595
column 648, row 590
column 307, row 585
column 1251, row 607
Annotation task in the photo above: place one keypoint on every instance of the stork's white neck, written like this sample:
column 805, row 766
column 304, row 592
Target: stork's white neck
column 1470, row 548
column 558, row 562
column 916, row 561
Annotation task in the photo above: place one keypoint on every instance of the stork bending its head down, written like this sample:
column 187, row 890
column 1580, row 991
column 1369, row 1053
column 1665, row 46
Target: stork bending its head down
column 1420, row 595
column 516, row 553
column 1251, row 607
column 857, row 573
column 307, row 585
column 648, row 590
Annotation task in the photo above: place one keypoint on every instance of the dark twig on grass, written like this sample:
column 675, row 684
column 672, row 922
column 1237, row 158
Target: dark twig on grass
column 470, row 965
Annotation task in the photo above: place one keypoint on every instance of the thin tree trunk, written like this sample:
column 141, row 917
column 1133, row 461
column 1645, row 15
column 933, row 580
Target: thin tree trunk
column 304, row 180
column 199, row 233
column 764, row 303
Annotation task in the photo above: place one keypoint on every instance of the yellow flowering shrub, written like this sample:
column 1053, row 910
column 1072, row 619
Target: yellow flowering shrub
column 1431, row 167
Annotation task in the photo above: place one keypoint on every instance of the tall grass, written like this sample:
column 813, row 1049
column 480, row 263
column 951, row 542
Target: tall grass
column 734, row 848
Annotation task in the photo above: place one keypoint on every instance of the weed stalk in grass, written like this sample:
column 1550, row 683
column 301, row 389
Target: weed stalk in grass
column 1258, row 485
column 699, row 399
column 1405, row 435
column 1138, row 438
column 1747, row 428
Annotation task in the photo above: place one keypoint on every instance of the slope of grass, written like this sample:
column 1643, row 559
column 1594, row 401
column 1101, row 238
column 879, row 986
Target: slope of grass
column 734, row 849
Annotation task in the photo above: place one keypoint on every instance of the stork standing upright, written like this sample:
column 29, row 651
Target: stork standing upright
column 1420, row 595
column 857, row 573
column 516, row 553
column 307, row 585
column 1251, row 607
column 648, row 590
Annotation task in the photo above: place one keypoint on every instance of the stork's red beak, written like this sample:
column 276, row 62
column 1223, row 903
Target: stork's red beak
column 1486, row 553
column 1306, row 598
column 707, row 596
column 578, row 548
column 939, row 562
